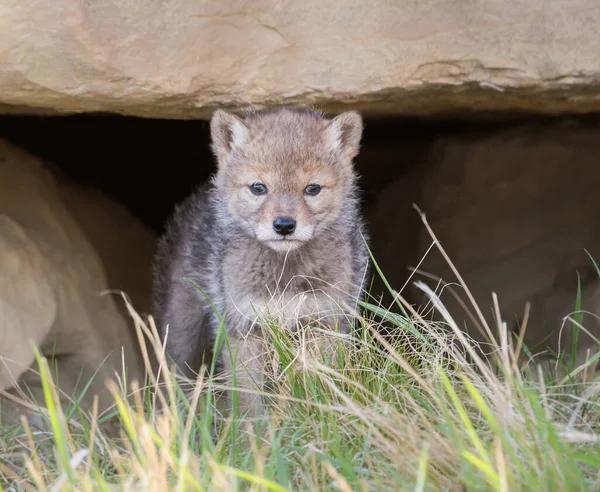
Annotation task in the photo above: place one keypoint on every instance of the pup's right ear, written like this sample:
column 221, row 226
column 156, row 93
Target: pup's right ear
column 227, row 132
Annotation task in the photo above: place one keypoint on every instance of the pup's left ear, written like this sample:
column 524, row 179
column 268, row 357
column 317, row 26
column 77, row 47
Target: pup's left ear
column 343, row 134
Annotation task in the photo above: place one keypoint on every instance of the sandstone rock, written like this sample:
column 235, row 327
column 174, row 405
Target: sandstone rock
column 52, row 280
column 124, row 245
column 516, row 212
column 182, row 58
column 27, row 302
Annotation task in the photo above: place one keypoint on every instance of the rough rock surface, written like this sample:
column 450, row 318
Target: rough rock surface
column 182, row 58
column 517, row 212
column 55, row 251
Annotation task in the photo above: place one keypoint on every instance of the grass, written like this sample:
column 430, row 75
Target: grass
column 426, row 409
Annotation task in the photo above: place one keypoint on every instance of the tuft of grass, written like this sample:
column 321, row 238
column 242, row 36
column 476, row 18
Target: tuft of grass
column 362, row 412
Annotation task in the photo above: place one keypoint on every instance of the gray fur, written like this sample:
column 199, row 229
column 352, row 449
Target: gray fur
column 212, row 245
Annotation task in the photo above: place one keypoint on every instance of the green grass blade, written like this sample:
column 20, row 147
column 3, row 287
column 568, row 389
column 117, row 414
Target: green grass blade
column 56, row 419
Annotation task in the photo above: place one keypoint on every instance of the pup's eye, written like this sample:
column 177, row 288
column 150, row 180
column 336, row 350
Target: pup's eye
column 258, row 189
column 312, row 189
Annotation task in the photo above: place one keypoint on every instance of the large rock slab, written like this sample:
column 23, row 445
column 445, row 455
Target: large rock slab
column 61, row 249
column 182, row 58
column 517, row 212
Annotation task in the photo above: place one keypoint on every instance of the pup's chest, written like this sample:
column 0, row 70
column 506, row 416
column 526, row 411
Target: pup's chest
column 287, row 310
column 259, row 288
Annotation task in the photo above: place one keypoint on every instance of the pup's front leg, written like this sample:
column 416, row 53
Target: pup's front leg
column 243, row 363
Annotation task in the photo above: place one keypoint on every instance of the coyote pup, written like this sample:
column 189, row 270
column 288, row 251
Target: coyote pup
column 277, row 235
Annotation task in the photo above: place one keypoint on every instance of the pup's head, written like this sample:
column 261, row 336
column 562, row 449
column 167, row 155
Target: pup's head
column 285, row 174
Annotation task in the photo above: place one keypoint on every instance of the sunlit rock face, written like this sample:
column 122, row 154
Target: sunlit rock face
column 183, row 58
column 61, row 249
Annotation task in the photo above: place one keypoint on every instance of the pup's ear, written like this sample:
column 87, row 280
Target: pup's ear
column 227, row 132
column 343, row 134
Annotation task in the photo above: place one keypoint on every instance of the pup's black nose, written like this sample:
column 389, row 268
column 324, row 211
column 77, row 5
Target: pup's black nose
column 284, row 225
